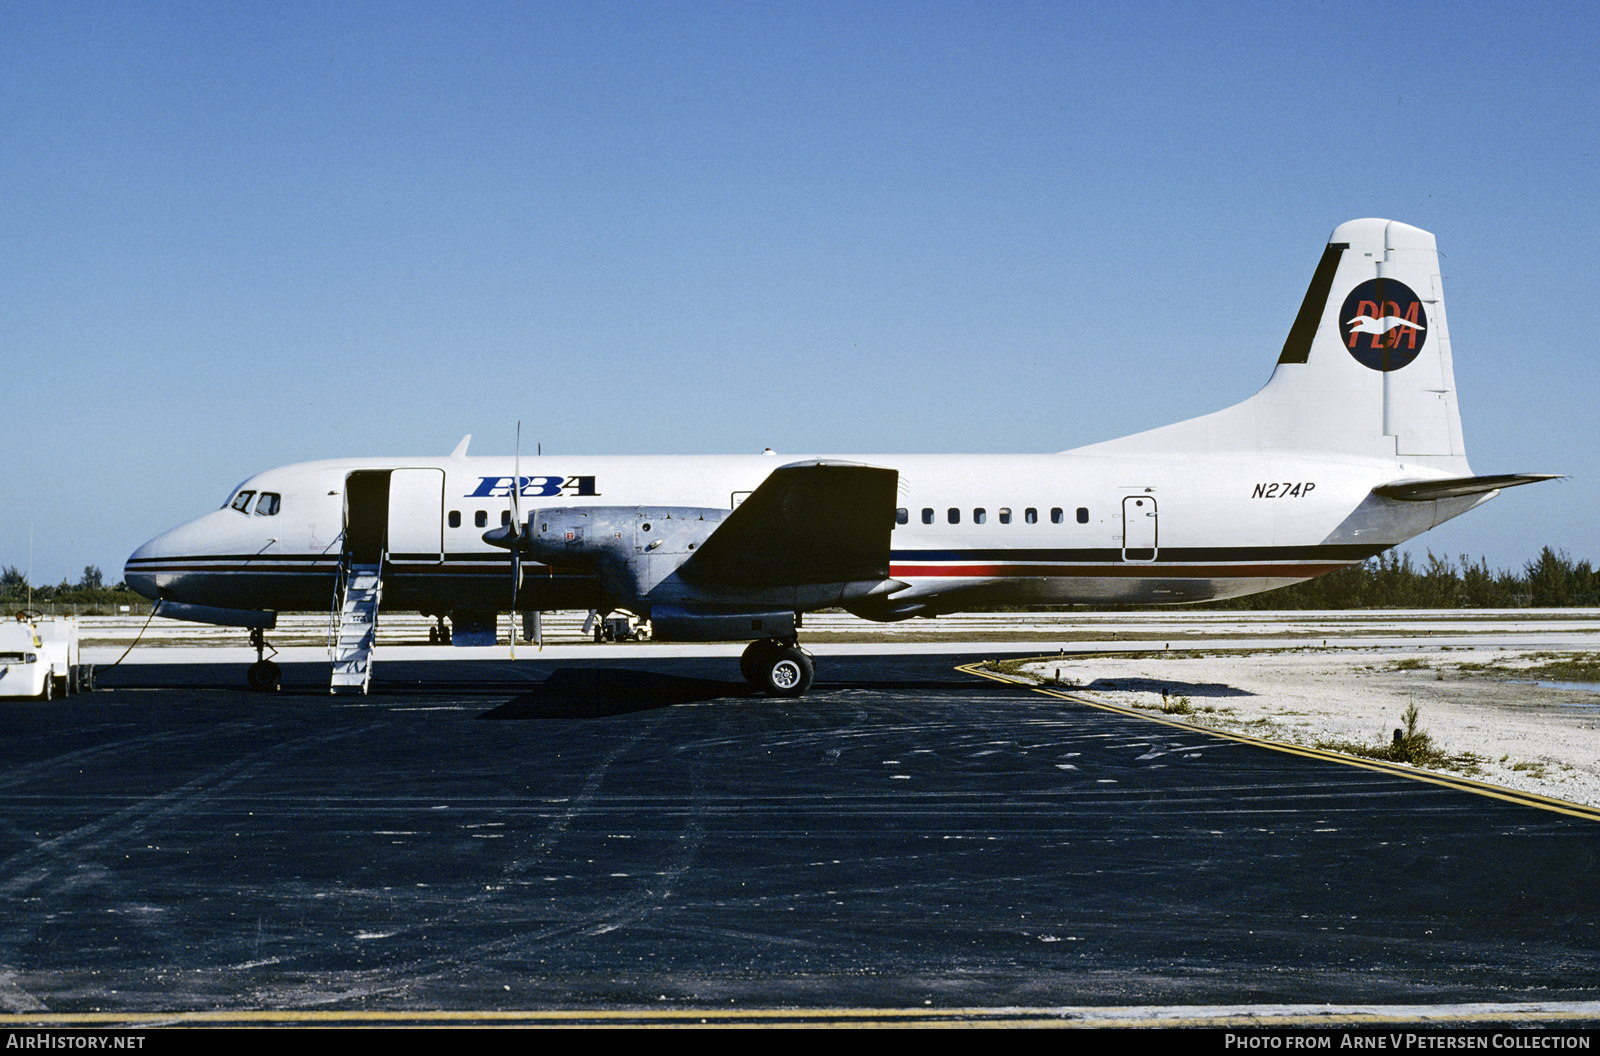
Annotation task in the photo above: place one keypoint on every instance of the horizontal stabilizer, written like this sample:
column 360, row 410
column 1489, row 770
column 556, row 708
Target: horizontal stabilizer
column 812, row 522
column 1456, row 487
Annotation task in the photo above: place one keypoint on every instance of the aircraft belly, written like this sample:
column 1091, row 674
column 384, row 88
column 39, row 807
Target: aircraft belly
column 1140, row 588
column 950, row 580
column 308, row 584
column 294, row 588
column 488, row 589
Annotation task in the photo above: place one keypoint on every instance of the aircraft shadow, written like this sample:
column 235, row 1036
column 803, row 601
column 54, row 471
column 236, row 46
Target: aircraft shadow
column 1176, row 689
column 596, row 692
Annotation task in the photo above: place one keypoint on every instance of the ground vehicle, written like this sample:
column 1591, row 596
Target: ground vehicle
column 39, row 656
column 620, row 627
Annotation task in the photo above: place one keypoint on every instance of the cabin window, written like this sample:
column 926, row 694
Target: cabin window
column 1083, row 515
column 927, row 515
column 267, row 505
column 1005, row 515
column 481, row 519
column 954, row 515
column 1030, row 515
column 980, row 515
column 455, row 518
column 902, row 516
column 242, row 500
column 505, row 518
column 1056, row 516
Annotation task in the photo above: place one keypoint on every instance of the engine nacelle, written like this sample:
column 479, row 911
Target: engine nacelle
column 630, row 549
column 678, row 623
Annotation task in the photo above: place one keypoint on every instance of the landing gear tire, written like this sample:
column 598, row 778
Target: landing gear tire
column 264, row 675
column 785, row 672
column 754, row 658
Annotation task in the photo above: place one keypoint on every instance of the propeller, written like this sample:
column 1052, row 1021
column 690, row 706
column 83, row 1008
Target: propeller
column 510, row 536
column 515, row 536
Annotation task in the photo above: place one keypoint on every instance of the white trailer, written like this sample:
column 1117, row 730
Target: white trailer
column 39, row 657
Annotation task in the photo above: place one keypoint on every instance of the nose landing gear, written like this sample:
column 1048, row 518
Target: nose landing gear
column 263, row 675
column 778, row 668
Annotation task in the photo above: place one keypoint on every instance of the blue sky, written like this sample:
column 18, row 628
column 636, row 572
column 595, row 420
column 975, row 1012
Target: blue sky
column 234, row 236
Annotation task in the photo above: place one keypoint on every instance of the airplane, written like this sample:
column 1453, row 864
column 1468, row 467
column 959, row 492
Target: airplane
column 1353, row 446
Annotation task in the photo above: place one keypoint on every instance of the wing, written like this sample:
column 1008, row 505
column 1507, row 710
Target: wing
column 810, row 522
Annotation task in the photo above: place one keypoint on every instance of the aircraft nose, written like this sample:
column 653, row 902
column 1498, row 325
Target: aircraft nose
column 159, row 564
column 138, row 573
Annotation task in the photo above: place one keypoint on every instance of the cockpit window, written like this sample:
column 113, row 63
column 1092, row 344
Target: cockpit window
column 242, row 500
column 267, row 505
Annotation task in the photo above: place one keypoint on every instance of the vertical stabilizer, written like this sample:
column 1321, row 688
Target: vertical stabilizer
column 1365, row 371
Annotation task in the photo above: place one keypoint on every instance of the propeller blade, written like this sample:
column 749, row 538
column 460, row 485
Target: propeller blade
column 516, row 584
column 516, row 488
column 515, row 535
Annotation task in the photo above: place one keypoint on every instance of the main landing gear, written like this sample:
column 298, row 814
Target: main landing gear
column 777, row 668
column 263, row 674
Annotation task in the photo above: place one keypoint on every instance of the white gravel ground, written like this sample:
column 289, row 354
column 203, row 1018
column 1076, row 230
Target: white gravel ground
column 1504, row 731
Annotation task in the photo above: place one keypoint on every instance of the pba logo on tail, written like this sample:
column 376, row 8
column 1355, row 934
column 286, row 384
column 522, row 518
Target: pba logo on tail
column 1383, row 324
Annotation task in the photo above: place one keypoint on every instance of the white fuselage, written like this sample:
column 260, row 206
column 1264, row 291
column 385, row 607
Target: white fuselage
column 978, row 529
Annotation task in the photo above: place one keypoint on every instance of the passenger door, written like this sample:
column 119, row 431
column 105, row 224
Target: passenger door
column 1139, row 528
column 416, row 516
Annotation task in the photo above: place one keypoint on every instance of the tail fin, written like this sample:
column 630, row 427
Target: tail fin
column 1365, row 371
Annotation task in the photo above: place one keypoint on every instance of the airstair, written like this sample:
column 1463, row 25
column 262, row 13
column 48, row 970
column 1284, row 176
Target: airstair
column 352, row 640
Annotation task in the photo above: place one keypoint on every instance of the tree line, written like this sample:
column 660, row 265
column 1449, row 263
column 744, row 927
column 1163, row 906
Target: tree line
column 91, row 592
column 1393, row 580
